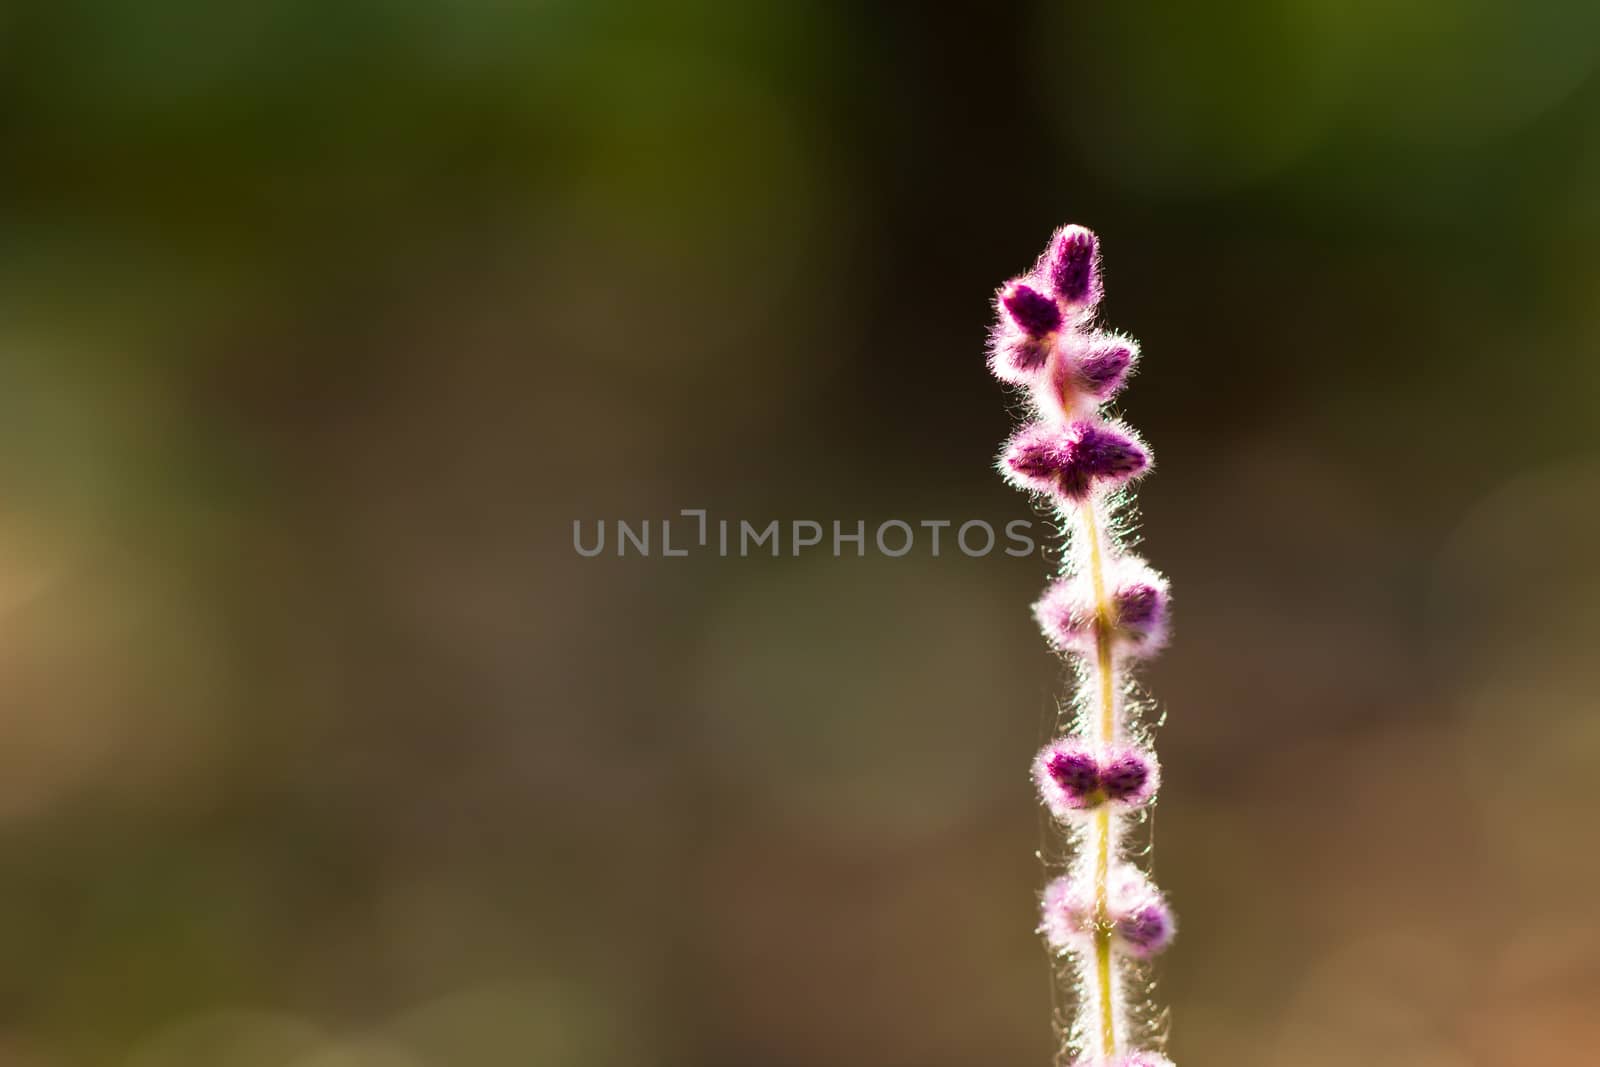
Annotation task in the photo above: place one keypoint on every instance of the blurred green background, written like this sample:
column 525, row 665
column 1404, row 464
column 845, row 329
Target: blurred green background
column 321, row 322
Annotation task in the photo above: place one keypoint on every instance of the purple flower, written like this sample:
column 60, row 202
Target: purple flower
column 1141, row 923
column 1088, row 371
column 1034, row 313
column 1142, row 607
column 1070, row 462
column 1016, row 357
column 1066, row 914
column 1072, row 779
column 1130, row 777
column 1138, row 623
column 1108, row 453
column 1068, row 776
column 1146, row 930
column 1102, row 367
column 1025, row 336
column 1073, row 266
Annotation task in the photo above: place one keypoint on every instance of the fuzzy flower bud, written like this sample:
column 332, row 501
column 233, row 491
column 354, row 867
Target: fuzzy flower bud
column 1146, row 929
column 1026, row 334
column 1068, row 777
column 1073, row 266
column 1033, row 313
column 1138, row 624
column 1087, row 371
column 1017, row 358
column 1103, row 365
column 1071, row 462
column 1141, row 923
column 1130, row 777
column 1073, row 780
column 1132, row 1059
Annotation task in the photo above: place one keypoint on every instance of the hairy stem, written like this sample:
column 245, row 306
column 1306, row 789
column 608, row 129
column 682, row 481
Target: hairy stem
column 1105, row 666
column 1105, row 671
column 1102, row 937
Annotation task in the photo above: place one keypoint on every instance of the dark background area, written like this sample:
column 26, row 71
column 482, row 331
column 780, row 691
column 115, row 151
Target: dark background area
column 321, row 323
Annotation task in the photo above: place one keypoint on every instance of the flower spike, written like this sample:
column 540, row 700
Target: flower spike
column 1108, row 611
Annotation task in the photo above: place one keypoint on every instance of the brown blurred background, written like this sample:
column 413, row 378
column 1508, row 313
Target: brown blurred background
column 320, row 323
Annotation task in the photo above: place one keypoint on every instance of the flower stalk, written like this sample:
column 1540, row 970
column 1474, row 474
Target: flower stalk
column 1105, row 612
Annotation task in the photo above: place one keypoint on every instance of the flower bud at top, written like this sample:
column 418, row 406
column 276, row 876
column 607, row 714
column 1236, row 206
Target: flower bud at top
column 1034, row 313
column 1073, row 266
column 1072, row 461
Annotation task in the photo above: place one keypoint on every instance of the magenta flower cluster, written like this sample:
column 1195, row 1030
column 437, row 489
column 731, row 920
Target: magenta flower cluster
column 1106, row 612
